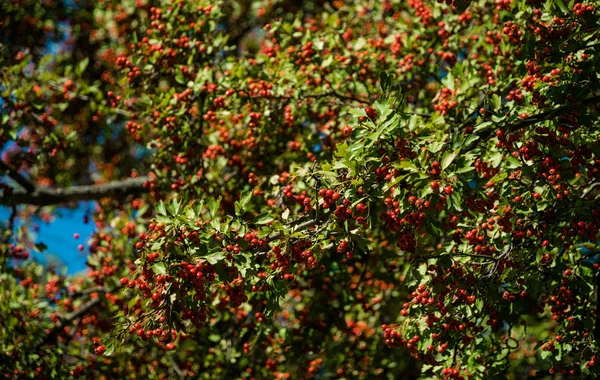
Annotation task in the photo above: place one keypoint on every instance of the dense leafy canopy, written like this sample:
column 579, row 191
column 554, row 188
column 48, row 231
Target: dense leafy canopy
column 328, row 189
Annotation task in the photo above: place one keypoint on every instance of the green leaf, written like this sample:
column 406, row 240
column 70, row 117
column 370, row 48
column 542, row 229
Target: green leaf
column 240, row 205
column 263, row 218
column 213, row 206
column 110, row 348
column 412, row 123
column 214, row 257
column 245, row 198
column 496, row 102
column 179, row 78
column 496, row 159
column 160, row 268
column 435, row 146
column 360, row 43
column 456, row 200
column 448, row 81
column 447, row 159
column 327, row 61
column 512, row 162
column 385, row 81
column 562, row 6
column 160, row 209
column 483, row 126
column 82, row 65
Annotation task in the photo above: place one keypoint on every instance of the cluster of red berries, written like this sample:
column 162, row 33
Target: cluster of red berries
column 18, row 252
column 580, row 9
column 452, row 373
column 445, row 102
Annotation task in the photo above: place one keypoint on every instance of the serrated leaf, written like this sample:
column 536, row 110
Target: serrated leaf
column 160, row 209
column 214, row 257
column 435, row 147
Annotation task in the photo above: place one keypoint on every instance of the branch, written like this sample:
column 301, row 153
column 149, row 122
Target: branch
column 298, row 227
column 45, row 197
column 79, row 293
column 553, row 113
column 17, row 177
column 331, row 93
column 534, row 119
column 68, row 320
column 589, row 189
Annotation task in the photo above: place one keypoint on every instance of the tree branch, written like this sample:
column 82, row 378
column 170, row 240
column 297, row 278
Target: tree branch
column 68, row 320
column 331, row 93
column 534, row 119
column 553, row 113
column 45, row 197
column 17, row 177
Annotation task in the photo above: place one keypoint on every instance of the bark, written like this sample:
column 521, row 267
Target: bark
column 51, row 196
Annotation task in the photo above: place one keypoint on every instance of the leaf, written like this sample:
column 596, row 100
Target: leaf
column 82, row 65
column 496, row 159
column 240, row 205
column 176, row 206
column 263, row 218
column 357, row 112
column 160, row 209
column 360, row 43
column 456, row 200
column 285, row 214
column 245, row 198
column 341, row 150
column 512, row 162
column 435, row 147
column 412, row 123
column 179, row 78
column 562, row 6
column 160, row 268
column 482, row 126
column 213, row 205
column 496, row 102
column 327, row 61
column 385, row 81
column 447, row 159
column 110, row 348
column 214, row 257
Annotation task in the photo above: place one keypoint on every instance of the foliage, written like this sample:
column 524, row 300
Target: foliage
column 358, row 189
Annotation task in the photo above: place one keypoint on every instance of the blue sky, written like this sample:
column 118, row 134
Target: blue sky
column 58, row 235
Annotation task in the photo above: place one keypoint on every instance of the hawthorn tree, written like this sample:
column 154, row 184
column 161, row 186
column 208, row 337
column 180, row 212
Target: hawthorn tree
column 329, row 189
